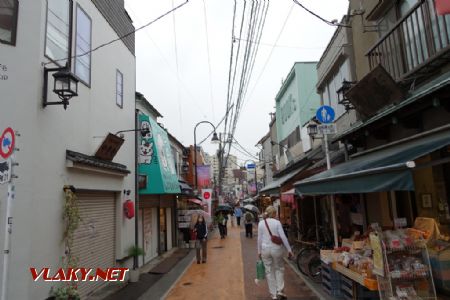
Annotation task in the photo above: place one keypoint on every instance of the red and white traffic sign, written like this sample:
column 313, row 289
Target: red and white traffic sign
column 7, row 141
column 206, row 194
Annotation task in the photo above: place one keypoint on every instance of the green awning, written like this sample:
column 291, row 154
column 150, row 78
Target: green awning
column 273, row 188
column 387, row 168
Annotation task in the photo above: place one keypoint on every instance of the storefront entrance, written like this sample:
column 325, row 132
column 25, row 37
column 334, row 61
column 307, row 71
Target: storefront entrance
column 162, row 230
column 150, row 238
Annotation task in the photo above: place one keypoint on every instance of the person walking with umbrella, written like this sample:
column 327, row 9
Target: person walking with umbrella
column 238, row 214
column 201, row 230
column 272, row 243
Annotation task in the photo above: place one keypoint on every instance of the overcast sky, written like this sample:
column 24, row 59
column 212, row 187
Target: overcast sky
column 183, row 93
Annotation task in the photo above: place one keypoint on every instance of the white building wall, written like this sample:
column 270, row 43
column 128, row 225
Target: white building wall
column 267, row 160
column 48, row 133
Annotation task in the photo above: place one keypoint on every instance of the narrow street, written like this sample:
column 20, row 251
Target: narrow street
column 230, row 273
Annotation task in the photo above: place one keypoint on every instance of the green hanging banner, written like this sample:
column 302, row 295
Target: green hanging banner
column 156, row 161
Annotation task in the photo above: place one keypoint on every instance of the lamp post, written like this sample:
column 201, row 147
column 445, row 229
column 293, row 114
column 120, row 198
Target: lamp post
column 256, row 180
column 214, row 140
column 312, row 131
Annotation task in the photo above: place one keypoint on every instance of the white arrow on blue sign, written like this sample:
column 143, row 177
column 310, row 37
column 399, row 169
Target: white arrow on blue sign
column 325, row 114
column 251, row 166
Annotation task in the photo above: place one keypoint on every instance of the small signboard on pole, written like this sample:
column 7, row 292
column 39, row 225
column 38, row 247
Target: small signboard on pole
column 5, row 171
column 326, row 128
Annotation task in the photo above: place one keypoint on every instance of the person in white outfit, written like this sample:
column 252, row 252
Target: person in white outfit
column 272, row 253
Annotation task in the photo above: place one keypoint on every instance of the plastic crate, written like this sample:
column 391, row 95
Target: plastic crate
column 331, row 281
column 440, row 266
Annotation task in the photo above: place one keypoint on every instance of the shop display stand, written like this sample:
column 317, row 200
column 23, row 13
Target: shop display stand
column 411, row 284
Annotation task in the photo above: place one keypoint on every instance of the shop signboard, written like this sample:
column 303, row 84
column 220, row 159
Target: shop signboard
column 206, row 196
column 204, row 176
column 156, row 159
column 377, row 248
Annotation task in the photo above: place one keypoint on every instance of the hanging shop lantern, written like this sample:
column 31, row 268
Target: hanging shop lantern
column 128, row 209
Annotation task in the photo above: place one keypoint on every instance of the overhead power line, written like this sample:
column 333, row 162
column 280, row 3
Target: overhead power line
column 209, row 62
column 243, row 60
column 331, row 23
column 121, row 37
column 171, row 67
column 178, row 70
column 271, row 51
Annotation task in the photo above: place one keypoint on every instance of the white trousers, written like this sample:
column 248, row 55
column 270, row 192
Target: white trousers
column 272, row 257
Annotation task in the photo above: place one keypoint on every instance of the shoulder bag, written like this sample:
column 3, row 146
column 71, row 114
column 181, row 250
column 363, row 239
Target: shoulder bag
column 274, row 238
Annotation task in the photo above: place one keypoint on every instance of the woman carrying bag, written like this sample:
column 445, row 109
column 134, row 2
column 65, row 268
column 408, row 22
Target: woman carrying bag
column 272, row 244
column 201, row 230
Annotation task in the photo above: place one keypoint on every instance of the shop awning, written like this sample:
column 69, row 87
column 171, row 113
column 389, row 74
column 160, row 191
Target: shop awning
column 185, row 188
column 385, row 168
column 289, row 197
column 196, row 201
column 273, row 188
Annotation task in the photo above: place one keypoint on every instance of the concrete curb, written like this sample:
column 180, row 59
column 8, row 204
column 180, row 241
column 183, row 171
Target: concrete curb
column 178, row 279
column 164, row 285
column 313, row 287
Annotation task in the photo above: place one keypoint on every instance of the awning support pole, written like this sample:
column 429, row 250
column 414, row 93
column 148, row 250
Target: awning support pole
column 315, row 218
column 332, row 204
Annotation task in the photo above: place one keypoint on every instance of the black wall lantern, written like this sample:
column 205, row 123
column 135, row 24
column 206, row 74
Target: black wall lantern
column 65, row 85
column 312, row 129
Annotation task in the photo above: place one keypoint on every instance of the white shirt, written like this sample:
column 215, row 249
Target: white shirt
column 276, row 228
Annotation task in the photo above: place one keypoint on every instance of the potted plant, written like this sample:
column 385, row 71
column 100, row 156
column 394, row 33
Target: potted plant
column 64, row 292
column 135, row 251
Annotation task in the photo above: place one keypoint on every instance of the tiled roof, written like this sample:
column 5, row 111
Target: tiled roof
column 95, row 162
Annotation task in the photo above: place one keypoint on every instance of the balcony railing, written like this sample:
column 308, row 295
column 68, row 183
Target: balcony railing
column 418, row 43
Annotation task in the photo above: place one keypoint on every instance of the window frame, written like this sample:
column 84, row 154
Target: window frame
column 121, row 76
column 88, row 84
column 15, row 26
column 69, row 38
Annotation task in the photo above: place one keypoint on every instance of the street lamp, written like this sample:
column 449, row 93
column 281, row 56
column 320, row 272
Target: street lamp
column 312, row 129
column 214, row 140
column 65, row 86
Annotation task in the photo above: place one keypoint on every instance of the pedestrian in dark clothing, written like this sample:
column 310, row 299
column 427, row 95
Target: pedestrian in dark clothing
column 238, row 214
column 248, row 220
column 221, row 221
column 201, row 230
column 225, row 229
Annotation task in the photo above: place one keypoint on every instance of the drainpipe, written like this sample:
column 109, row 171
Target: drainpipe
column 136, row 187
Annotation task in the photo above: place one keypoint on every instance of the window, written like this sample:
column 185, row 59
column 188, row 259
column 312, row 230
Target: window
column 83, row 46
column 9, row 9
column 57, row 31
column 119, row 89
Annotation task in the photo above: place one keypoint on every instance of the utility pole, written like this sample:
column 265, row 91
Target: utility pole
column 333, row 207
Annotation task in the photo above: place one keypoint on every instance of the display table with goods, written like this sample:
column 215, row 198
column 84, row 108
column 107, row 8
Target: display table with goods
column 391, row 264
column 347, row 271
column 402, row 264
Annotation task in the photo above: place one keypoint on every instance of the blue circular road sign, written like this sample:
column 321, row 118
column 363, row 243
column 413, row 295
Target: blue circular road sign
column 325, row 114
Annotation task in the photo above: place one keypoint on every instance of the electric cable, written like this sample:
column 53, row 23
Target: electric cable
column 209, row 61
column 171, row 68
column 121, row 37
column 271, row 52
column 320, row 18
column 178, row 70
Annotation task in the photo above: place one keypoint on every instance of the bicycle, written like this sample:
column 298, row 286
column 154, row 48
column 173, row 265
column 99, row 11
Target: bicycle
column 308, row 256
